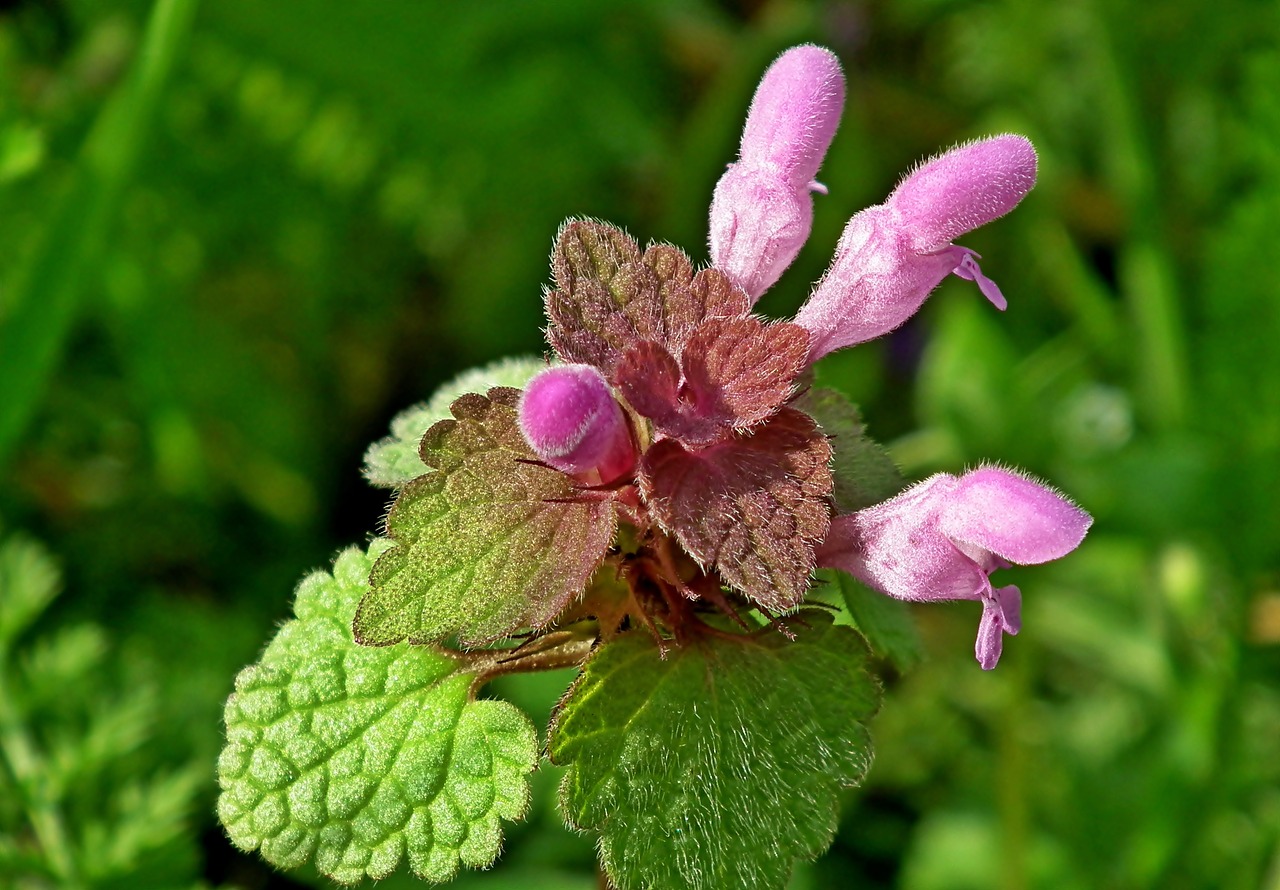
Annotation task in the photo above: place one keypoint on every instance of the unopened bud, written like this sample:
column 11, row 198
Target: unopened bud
column 571, row 420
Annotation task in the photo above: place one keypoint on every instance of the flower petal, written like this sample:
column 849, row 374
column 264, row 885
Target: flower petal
column 762, row 210
column 964, row 188
column 898, row 549
column 1012, row 516
column 990, row 642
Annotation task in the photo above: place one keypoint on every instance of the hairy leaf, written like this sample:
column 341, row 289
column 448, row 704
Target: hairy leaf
column 754, row 507
column 736, row 373
column 864, row 473
column 485, row 544
column 394, row 461
column 720, row 764
column 358, row 757
column 608, row 296
column 885, row 622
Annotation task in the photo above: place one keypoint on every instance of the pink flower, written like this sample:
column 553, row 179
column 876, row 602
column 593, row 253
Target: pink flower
column 893, row 255
column 942, row 538
column 571, row 420
column 762, row 211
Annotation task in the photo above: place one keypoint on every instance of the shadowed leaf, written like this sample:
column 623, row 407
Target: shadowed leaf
column 721, row 764
column 864, row 473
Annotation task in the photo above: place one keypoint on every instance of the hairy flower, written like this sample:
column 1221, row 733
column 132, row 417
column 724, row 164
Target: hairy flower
column 941, row 540
column 762, row 209
column 893, row 255
column 571, row 420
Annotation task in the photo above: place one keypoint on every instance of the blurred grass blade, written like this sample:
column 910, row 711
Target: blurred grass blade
column 48, row 291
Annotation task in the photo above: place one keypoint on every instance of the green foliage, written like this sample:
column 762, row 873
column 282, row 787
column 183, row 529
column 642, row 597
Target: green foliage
column 886, row 623
column 44, row 302
column 358, row 757
column 84, row 804
column 864, row 472
column 394, row 461
column 486, row 542
column 718, row 764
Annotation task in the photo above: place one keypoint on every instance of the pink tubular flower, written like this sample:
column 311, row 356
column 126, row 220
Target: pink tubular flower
column 891, row 256
column 762, row 211
column 571, row 420
column 942, row 538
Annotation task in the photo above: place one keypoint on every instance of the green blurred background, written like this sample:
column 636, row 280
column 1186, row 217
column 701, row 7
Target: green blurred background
column 236, row 239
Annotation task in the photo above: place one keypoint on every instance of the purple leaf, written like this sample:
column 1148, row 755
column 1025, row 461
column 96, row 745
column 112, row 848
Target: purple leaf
column 608, row 296
column 753, row 506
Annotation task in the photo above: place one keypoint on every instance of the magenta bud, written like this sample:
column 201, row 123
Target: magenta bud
column 571, row 420
column 762, row 211
column 892, row 256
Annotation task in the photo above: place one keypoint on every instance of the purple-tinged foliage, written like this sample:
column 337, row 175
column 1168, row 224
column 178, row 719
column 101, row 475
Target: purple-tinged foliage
column 893, row 255
column 487, row 541
column 608, row 296
column 741, row 482
column 754, row 507
column 942, row 538
column 762, row 209
column 572, row 421
column 733, row 374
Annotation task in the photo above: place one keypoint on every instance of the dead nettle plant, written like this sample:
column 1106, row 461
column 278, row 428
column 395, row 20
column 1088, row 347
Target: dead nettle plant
column 651, row 506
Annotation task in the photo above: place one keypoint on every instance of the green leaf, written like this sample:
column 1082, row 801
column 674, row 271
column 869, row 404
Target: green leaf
column 29, row 580
column 721, row 764
column 358, row 757
column 394, row 461
column 864, row 472
column 486, row 542
column 67, row 258
column 885, row 622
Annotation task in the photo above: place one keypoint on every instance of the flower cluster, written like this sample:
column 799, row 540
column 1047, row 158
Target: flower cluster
column 681, row 404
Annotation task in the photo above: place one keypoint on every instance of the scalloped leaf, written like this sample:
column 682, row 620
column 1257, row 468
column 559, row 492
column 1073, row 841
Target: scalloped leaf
column 608, row 296
column 736, row 372
column 719, row 764
column 394, row 461
column 485, row 543
column 358, row 758
column 754, row 506
column 863, row 471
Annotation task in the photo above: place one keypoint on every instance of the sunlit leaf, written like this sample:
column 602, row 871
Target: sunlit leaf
column 359, row 757
column 485, row 543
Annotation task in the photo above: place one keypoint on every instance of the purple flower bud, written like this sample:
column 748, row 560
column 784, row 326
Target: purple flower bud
column 942, row 538
column 761, row 212
column 571, row 420
column 892, row 256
